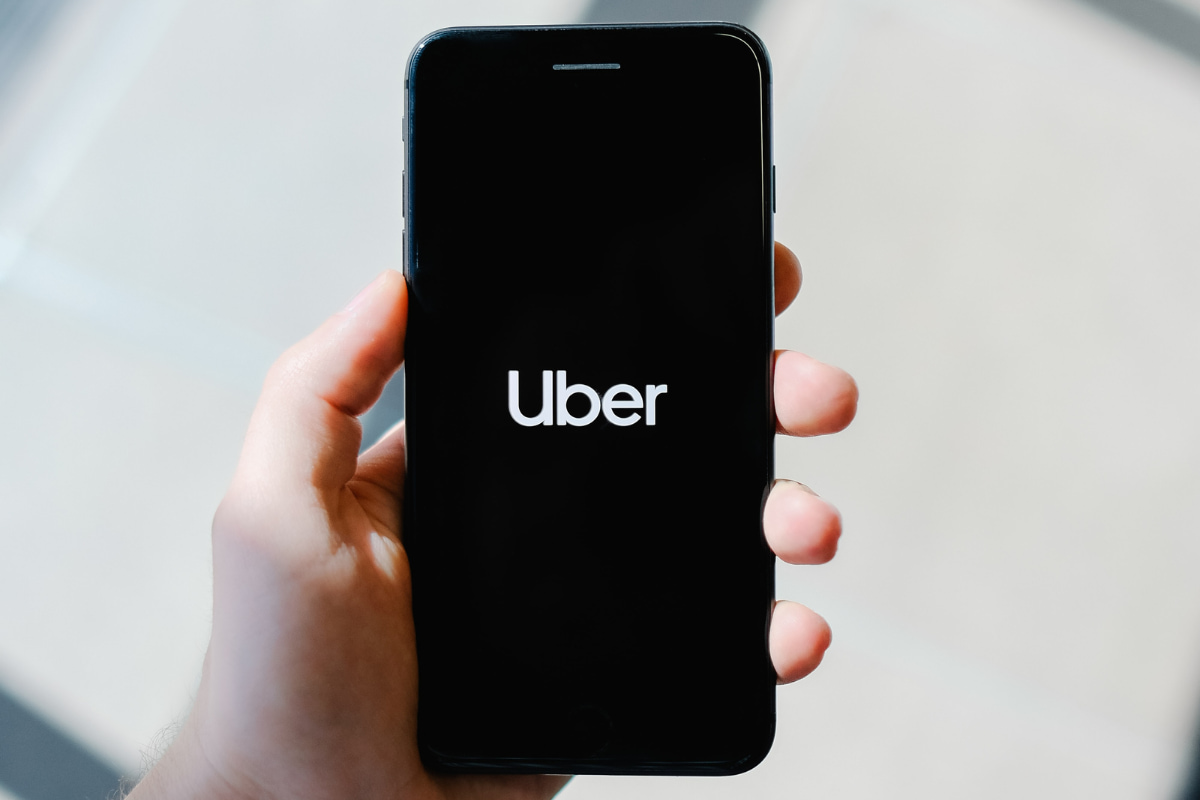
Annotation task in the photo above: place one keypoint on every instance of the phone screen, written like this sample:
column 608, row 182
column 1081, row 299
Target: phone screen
column 589, row 255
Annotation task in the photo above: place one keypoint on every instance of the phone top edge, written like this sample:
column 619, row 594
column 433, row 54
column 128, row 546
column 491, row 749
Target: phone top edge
column 592, row 26
column 758, row 47
column 734, row 29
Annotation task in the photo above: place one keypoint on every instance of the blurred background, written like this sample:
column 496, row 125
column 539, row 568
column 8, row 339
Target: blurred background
column 997, row 203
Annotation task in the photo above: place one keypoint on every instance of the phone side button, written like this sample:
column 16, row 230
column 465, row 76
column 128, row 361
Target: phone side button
column 774, row 209
column 404, row 193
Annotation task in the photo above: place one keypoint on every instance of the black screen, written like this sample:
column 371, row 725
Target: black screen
column 589, row 208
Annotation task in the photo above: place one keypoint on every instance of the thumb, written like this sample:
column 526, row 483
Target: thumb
column 304, row 434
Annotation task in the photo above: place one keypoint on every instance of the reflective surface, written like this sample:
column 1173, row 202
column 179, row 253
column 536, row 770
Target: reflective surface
column 588, row 398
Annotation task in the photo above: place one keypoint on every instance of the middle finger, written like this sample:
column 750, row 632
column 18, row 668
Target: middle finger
column 811, row 398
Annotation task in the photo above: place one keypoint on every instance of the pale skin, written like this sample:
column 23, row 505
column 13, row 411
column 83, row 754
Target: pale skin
column 309, row 687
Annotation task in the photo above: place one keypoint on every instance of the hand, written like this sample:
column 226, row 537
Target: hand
column 309, row 687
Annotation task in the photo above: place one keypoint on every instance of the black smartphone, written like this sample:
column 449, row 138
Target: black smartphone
column 589, row 252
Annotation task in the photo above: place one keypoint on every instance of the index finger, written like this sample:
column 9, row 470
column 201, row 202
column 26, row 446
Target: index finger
column 811, row 398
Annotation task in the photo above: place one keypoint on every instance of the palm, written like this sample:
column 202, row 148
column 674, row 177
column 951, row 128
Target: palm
column 376, row 503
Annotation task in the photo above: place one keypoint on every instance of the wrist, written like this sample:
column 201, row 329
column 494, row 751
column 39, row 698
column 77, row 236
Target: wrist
column 184, row 772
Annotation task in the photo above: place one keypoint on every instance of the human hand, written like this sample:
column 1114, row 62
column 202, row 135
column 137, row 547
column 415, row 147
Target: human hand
column 309, row 687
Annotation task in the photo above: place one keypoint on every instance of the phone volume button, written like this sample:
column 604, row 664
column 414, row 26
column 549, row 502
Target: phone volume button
column 404, row 195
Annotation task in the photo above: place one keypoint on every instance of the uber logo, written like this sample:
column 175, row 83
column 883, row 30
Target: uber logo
column 555, row 393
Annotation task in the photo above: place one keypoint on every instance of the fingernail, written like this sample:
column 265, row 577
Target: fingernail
column 365, row 293
column 797, row 484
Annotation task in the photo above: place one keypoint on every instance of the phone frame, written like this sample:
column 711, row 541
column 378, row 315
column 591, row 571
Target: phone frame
column 445, row 762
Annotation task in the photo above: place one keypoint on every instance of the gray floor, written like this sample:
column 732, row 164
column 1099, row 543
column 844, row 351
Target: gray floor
column 38, row 761
column 996, row 206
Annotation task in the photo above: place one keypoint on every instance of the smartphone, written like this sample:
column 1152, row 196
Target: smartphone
column 589, row 252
